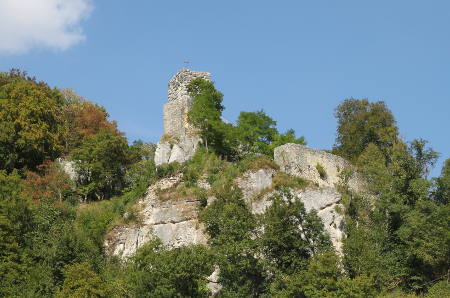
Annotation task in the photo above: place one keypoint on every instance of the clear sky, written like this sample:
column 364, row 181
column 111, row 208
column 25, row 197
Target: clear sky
column 297, row 60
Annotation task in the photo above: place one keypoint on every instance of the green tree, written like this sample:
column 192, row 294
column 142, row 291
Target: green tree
column 381, row 231
column 158, row 272
column 206, row 113
column 81, row 281
column 441, row 191
column 257, row 132
column 426, row 237
column 101, row 162
column 29, row 125
column 361, row 123
column 291, row 234
column 15, row 224
column 372, row 164
column 231, row 227
column 285, row 138
column 323, row 277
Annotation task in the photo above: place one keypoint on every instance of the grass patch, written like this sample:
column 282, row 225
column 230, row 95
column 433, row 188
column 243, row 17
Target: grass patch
column 168, row 170
column 202, row 163
column 256, row 162
column 182, row 191
column 281, row 180
column 321, row 171
column 169, row 139
column 263, row 193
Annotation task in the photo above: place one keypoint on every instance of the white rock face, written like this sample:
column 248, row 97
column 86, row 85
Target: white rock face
column 68, row 167
column 324, row 200
column 302, row 161
column 213, row 284
column 252, row 183
column 180, row 152
column 162, row 153
column 174, row 222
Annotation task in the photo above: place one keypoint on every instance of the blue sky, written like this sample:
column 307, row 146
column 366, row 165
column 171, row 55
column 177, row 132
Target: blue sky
column 297, row 60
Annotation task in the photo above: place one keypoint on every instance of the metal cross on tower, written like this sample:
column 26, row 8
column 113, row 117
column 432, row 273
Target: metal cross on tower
column 186, row 64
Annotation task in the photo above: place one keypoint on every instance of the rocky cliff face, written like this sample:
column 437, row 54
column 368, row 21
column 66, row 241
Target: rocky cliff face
column 176, row 150
column 324, row 200
column 322, row 168
column 180, row 139
column 174, row 221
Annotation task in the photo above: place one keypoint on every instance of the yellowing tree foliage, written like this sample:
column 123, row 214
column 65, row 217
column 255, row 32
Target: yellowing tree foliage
column 29, row 125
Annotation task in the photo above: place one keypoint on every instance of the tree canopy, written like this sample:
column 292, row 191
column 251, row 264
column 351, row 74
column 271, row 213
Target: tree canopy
column 254, row 132
column 360, row 123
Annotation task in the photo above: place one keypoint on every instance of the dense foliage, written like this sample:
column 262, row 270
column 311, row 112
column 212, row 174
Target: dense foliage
column 54, row 215
column 255, row 132
column 360, row 123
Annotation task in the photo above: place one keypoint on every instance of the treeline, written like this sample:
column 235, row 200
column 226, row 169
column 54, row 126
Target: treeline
column 54, row 215
column 254, row 132
column 39, row 124
column 399, row 236
column 57, row 151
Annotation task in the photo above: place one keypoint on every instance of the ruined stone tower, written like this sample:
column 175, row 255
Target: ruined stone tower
column 180, row 140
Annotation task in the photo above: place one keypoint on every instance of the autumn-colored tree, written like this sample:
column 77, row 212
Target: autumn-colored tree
column 48, row 181
column 83, row 118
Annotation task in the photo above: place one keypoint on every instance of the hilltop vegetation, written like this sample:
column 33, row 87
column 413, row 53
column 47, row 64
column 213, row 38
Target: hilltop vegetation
column 52, row 226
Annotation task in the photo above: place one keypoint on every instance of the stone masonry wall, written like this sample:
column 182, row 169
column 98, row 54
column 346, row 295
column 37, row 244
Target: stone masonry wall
column 180, row 139
column 175, row 111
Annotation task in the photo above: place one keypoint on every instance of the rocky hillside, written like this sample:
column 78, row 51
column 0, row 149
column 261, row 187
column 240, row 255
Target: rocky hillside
column 175, row 219
column 215, row 208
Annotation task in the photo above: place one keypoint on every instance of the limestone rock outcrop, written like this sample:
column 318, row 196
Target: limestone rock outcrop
column 252, row 183
column 180, row 150
column 320, row 167
column 68, row 167
column 180, row 139
column 174, row 221
column 325, row 200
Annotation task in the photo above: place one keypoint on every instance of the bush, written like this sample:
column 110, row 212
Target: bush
column 158, row 272
column 321, row 171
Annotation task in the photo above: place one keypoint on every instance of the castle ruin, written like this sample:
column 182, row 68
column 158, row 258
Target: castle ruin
column 180, row 139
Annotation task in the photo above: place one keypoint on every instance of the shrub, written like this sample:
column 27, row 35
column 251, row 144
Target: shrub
column 321, row 171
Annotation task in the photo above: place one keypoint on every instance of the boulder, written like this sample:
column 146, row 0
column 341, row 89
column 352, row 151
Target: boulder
column 180, row 151
column 320, row 167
